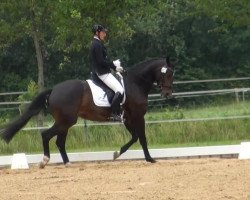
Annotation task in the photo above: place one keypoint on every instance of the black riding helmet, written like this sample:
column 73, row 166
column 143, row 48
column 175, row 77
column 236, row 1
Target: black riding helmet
column 98, row 28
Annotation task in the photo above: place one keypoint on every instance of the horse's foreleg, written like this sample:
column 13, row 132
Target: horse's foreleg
column 125, row 147
column 142, row 138
column 130, row 143
column 60, row 142
column 143, row 142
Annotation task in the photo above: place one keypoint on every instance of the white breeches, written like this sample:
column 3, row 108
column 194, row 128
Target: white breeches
column 111, row 82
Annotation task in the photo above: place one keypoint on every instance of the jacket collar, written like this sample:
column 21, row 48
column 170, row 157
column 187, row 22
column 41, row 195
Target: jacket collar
column 95, row 37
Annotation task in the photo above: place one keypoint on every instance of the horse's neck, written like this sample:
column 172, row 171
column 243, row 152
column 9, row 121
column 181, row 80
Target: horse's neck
column 143, row 78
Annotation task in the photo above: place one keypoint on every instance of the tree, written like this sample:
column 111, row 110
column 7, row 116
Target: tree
column 234, row 13
column 209, row 38
column 27, row 18
column 57, row 28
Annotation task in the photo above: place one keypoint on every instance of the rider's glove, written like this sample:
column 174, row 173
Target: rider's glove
column 118, row 67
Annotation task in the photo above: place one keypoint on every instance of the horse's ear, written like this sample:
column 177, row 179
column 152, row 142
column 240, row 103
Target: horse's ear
column 171, row 61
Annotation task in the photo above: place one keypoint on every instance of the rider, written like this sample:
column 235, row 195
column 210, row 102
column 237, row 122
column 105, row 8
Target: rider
column 101, row 66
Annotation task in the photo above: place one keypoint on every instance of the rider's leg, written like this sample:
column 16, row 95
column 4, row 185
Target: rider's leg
column 115, row 105
column 114, row 84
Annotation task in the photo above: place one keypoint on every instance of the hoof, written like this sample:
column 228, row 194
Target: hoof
column 41, row 165
column 116, row 155
column 151, row 160
column 44, row 162
column 68, row 164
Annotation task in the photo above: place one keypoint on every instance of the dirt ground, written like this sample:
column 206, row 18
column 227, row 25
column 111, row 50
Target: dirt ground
column 200, row 179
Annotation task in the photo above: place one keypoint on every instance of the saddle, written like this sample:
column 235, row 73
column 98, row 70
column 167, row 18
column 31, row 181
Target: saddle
column 102, row 94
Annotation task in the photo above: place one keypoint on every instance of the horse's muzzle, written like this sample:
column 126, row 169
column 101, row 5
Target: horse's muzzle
column 167, row 93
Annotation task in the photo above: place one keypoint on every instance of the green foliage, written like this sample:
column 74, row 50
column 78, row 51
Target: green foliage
column 32, row 91
column 235, row 13
column 209, row 38
column 165, row 114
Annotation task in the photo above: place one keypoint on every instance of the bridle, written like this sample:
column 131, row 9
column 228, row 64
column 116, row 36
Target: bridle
column 164, row 70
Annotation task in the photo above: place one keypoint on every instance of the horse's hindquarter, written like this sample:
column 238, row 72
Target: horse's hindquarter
column 88, row 110
column 65, row 99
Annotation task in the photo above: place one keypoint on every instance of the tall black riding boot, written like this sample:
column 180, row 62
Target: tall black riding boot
column 115, row 107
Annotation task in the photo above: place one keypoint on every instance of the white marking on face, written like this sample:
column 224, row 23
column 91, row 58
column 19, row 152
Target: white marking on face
column 164, row 70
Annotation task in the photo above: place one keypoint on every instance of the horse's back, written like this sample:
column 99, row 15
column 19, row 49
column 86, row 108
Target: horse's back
column 69, row 85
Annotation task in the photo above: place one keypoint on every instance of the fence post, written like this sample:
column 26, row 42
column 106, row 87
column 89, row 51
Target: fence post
column 85, row 135
column 237, row 95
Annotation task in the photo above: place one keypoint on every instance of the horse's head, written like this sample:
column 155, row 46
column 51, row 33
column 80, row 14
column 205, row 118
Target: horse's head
column 165, row 77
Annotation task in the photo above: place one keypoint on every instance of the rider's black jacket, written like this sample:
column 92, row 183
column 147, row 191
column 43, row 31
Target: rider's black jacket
column 98, row 58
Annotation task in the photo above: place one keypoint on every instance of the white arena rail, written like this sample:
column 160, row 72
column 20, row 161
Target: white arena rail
column 168, row 153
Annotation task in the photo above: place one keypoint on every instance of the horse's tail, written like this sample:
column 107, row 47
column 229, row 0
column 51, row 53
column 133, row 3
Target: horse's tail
column 8, row 132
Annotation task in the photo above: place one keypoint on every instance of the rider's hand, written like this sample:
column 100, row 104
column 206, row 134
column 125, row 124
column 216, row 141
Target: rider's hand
column 118, row 66
column 119, row 69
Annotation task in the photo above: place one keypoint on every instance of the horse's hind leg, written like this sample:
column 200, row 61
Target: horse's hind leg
column 60, row 142
column 46, row 136
column 61, row 130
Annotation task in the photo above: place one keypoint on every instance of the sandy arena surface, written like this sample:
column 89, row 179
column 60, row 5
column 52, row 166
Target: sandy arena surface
column 199, row 179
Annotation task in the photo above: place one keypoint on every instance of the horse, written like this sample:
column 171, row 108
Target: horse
column 71, row 99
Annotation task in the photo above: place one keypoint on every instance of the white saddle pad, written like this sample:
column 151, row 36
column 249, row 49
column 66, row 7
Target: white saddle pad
column 99, row 96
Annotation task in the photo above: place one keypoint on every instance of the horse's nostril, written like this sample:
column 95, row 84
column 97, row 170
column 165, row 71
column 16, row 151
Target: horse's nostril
column 168, row 94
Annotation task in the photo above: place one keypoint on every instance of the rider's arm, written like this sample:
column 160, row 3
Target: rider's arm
column 100, row 58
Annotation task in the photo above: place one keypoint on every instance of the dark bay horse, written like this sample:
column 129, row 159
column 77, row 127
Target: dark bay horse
column 72, row 99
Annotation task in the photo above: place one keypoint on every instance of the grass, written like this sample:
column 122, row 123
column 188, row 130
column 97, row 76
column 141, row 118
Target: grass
column 95, row 138
column 228, row 109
